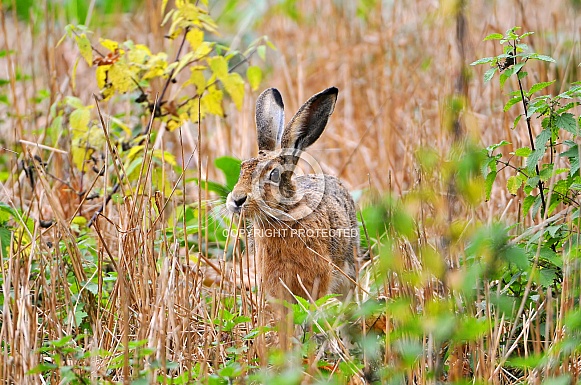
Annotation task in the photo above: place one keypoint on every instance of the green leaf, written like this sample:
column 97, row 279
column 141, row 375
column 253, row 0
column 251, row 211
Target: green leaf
column 493, row 147
column 527, row 204
column 493, row 36
column 489, row 182
column 517, row 256
column 484, row 60
column 534, row 157
column 511, row 102
column 516, row 120
column 261, row 51
column 218, row 188
column 523, row 151
column 542, row 138
column 542, row 57
column 539, row 86
column 513, row 184
column 567, row 122
column 230, row 168
column 489, row 74
column 509, row 72
column 254, row 76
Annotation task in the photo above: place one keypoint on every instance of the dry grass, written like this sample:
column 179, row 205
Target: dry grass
column 396, row 71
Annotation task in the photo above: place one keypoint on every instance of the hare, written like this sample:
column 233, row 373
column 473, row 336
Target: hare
column 304, row 228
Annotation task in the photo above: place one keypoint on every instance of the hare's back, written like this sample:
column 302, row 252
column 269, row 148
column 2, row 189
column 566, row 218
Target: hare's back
column 329, row 199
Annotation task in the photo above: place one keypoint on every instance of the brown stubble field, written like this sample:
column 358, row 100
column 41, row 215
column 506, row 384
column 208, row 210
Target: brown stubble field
column 397, row 69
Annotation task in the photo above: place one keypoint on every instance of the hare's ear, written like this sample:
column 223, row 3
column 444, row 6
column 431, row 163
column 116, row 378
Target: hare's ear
column 310, row 120
column 269, row 119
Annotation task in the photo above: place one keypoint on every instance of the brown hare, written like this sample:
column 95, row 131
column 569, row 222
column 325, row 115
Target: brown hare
column 304, row 228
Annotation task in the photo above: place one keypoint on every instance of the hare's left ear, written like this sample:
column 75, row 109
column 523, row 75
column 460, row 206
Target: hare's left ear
column 310, row 120
column 269, row 119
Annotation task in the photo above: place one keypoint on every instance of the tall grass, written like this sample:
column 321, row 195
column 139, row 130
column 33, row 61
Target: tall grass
column 148, row 295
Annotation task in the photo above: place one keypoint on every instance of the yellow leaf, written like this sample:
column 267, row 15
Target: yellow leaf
column 101, row 74
column 157, row 66
column 191, row 13
column 134, row 151
column 109, row 44
column 80, row 155
column 195, row 37
column 172, row 124
column 208, row 23
column 219, row 66
column 190, row 111
column 85, row 48
column 79, row 120
column 197, row 79
column 254, row 75
column 121, row 77
column 166, row 156
column 138, row 54
column 203, row 50
column 234, row 85
column 85, row 140
column 74, row 74
column 212, row 102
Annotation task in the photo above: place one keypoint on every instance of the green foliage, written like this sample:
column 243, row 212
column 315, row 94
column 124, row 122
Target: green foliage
column 545, row 185
column 544, row 176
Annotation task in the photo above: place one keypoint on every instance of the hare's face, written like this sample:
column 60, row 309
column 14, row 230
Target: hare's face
column 265, row 186
column 265, row 189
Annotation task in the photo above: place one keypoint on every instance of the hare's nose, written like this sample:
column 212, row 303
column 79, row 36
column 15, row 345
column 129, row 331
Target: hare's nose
column 234, row 202
column 240, row 201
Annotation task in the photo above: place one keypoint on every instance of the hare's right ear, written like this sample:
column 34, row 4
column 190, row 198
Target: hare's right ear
column 310, row 120
column 269, row 119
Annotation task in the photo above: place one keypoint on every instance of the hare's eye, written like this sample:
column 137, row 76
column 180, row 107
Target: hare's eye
column 275, row 175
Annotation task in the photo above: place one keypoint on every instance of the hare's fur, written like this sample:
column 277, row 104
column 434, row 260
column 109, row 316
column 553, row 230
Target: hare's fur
column 301, row 244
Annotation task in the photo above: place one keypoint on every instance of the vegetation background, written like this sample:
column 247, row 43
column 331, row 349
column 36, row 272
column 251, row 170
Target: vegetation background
column 465, row 281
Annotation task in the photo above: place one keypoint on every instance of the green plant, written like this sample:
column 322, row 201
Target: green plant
column 547, row 170
column 544, row 178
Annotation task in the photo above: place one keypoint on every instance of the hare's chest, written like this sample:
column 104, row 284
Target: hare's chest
column 295, row 261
